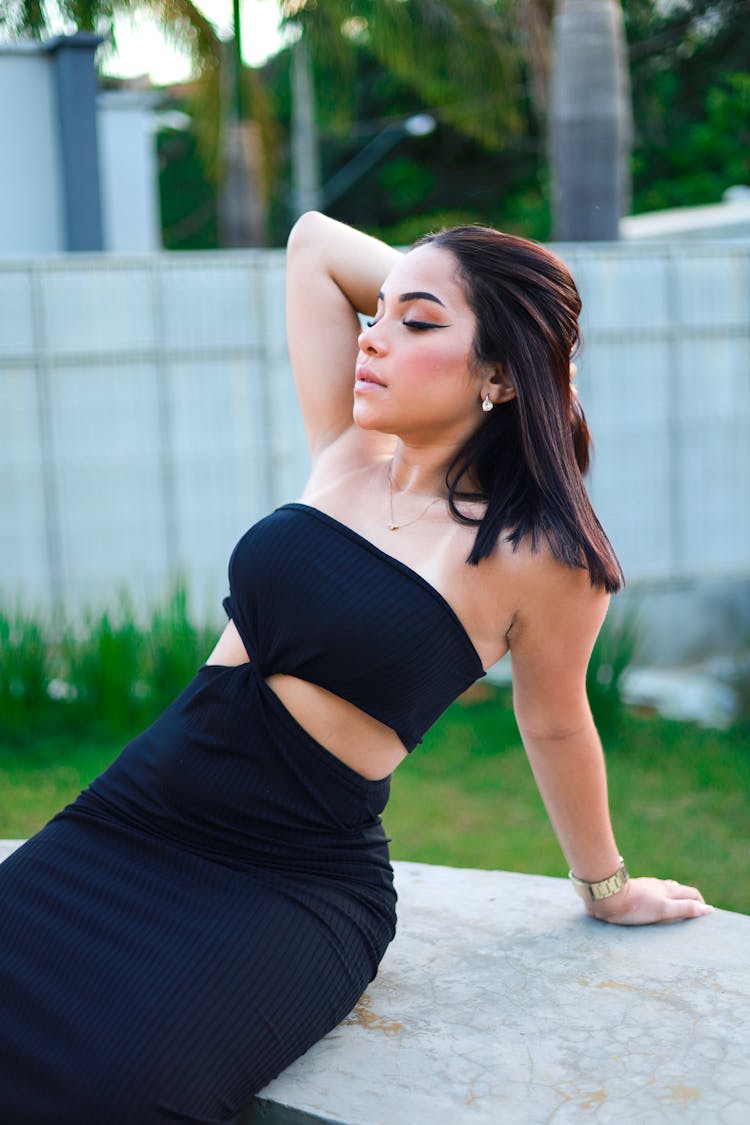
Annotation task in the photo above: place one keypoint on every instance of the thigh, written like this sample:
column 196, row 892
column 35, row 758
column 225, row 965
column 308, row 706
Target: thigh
column 240, row 1007
column 162, row 988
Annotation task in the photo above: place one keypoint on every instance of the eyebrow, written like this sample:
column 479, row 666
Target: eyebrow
column 416, row 296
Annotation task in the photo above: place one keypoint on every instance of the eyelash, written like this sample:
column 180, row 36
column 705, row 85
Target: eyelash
column 417, row 325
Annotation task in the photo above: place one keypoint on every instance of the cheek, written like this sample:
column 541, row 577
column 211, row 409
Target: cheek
column 440, row 364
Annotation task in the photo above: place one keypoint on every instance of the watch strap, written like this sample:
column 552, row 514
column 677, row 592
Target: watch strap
column 604, row 888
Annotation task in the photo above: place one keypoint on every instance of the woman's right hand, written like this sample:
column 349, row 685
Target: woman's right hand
column 644, row 901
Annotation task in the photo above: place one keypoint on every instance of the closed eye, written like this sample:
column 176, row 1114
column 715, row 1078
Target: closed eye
column 417, row 325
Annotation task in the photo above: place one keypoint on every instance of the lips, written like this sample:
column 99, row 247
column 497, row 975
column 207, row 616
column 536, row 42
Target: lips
column 365, row 375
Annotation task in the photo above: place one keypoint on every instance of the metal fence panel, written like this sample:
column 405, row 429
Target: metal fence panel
column 148, row 415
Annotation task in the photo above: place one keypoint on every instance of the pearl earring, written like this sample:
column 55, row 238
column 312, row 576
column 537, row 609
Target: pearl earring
column 487, row 404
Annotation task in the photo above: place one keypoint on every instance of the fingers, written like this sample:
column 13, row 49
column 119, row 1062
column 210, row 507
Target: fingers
column 683, row 902
column 679, row 909
column 680, row 890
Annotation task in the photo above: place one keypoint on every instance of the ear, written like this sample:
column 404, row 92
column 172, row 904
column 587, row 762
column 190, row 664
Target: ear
column 497, row 385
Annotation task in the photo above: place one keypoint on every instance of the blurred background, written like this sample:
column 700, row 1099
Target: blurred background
column 155, row 156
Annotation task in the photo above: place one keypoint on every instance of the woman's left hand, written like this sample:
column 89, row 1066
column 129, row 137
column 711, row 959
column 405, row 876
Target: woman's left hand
column 643, row 901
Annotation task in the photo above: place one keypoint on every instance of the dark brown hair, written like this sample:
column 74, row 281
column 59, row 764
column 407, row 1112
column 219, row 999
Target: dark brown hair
column 529, row 454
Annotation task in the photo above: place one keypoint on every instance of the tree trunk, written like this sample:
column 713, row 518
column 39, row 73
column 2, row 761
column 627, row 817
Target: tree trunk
column 242, row 204
column 534, row 21
column 306, row 193
column 590, row 121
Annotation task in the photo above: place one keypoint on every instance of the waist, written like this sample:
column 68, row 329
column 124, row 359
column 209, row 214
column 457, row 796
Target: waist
column 226, row 769
column 363, row 743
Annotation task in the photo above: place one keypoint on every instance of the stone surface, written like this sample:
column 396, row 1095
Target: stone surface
column 500, row 1003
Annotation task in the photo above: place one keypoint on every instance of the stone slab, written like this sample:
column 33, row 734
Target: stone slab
column 500, row 1003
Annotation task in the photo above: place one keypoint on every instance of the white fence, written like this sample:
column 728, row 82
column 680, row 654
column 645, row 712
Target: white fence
column 147, row 415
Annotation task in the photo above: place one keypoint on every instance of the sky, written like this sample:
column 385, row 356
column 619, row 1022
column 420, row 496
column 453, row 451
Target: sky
column 142, row 50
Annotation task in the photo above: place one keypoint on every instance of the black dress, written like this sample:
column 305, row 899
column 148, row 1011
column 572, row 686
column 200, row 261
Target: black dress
column 219, row 898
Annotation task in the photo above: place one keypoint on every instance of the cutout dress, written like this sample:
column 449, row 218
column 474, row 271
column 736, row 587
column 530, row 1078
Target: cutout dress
column 220, row 897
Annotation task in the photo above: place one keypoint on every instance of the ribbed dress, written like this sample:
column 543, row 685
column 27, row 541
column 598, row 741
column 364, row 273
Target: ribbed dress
column 218, row 899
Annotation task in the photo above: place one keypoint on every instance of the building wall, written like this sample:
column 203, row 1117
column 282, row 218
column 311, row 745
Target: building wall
column 147, row 417
column 32, row 191
column 129, row 171
column 31, row 219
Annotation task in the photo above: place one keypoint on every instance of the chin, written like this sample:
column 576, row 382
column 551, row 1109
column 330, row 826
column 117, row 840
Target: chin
column 369, row 419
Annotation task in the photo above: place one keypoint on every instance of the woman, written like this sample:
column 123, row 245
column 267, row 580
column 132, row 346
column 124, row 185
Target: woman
column 219, row 898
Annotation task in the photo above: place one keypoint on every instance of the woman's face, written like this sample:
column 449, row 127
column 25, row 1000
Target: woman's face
column 414, row 374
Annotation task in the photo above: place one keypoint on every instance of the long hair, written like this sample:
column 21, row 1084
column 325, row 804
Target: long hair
column 528, row 455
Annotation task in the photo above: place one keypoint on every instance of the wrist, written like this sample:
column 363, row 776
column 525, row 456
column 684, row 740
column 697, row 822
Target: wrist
column 610, row 909
column 594, row 892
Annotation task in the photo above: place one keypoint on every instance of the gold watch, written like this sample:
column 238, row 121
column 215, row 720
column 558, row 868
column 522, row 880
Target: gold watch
column 605, row 887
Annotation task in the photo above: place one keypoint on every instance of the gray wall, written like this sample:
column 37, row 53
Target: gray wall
column 53, row 180
column 31, row 216
column 129, row 170
column 147, row 416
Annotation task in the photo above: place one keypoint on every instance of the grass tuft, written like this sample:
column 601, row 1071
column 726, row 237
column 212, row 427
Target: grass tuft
column 613, row 654
column 107, row 675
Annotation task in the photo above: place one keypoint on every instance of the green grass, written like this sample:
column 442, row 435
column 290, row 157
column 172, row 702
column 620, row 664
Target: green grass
column 39, row 780
column 679, row 797
column 466, row 797
column 107, row 674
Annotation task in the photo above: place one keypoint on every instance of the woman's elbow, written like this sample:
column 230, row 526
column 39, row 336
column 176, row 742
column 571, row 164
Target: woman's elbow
column 306, row 230
column 554, row 724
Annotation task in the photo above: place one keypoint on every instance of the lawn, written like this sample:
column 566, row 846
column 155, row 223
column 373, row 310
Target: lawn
column 466, row 797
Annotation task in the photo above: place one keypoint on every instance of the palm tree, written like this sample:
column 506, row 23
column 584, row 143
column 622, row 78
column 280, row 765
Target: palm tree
column 463, row 55
column 181, row 22
column 460, row 56
column 590, row 120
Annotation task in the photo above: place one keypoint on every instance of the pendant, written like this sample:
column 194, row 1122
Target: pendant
column 393, row 526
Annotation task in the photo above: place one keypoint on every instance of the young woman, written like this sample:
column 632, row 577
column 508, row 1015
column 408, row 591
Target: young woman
column 219, row 898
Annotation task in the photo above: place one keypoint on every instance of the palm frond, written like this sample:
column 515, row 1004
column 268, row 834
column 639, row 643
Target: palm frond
column 24, row 18
column 461, row 56
column 183, row 25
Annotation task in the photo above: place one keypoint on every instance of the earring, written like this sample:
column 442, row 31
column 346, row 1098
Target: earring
column 487, row 404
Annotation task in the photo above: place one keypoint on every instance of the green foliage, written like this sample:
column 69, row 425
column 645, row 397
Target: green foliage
column 450, row 53
column 689, row 66
column 613, row 654
column 23, row 669
column 110, row 674
column 188, row 202
column 99, row 669
column 713, row 153
column 424, row 182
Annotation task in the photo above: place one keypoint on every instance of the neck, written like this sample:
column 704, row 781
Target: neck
column 420, row 471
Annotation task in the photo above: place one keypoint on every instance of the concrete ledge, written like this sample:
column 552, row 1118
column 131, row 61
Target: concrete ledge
column 499, row 1003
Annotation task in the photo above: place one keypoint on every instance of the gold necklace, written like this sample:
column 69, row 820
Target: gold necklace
column 393, row 526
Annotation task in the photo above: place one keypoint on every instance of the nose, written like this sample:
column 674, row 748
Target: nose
column 370, row 340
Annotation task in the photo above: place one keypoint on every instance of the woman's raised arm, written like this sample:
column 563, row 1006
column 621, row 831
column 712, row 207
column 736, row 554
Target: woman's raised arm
column 333, row 272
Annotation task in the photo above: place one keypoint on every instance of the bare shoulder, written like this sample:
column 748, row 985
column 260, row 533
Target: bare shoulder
column 557, row 620
column 554, row 603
